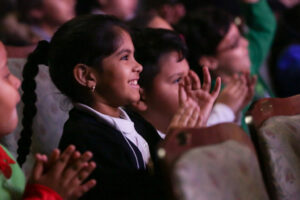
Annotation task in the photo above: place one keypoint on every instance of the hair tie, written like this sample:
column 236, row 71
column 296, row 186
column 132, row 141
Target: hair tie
column 40, row 54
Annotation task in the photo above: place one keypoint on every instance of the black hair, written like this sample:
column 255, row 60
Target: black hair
column 150, row 46
column 83, row 40
column 203, row 31
column 86, row 6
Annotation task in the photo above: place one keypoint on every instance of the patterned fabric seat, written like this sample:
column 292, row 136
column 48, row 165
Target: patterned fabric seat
column 211, row 163
column 225, row 171
column 274, row 125
column 279, row 140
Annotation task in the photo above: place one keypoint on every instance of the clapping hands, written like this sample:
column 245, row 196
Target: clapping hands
column 64, row 172
column 195, row 101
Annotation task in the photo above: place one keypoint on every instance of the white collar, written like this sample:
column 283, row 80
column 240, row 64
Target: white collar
column 124, row 122
column 161, row 134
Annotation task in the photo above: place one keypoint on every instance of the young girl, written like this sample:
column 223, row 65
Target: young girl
column 60, row 177
column 91, row 60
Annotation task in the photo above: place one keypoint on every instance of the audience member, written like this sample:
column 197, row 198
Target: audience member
column 97, row 71
column 214, row 40
column 59, row 177
column 122, row 9
column 170, row 10
column 45, row 16
column 162, row 54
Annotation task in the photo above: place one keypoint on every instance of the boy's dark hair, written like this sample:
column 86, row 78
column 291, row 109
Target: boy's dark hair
column 84, row 7
column 84, row 40
column 25, row 6
column 150, row 46
column 203, row 31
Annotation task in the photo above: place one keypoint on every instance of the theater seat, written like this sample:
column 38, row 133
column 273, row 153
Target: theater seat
column 275, row 127
column 213, row 163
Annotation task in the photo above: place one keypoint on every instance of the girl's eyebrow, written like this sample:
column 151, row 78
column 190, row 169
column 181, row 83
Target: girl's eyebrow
column 123, row 51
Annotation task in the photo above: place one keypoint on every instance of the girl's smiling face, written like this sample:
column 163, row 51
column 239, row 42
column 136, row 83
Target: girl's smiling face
column 117, row 81
column 9, row 96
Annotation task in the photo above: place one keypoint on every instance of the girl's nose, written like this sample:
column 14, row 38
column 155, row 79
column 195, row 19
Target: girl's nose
column 138, row 67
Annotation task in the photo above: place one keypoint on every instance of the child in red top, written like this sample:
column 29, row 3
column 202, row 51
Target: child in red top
column 58, row 177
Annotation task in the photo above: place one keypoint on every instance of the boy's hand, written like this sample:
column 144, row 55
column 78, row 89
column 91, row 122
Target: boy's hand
column 202, row 95
column 64, row 172
column 188, row 114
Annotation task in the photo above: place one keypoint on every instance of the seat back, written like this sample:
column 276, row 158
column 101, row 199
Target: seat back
column 19, row 52
column 212, row 163
column 275, row 128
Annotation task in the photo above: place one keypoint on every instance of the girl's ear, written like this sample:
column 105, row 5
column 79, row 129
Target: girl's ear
column 141, row 105
column 85, row 75
column 208, row 61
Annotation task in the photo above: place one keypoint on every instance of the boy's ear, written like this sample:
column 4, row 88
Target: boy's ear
column 85, row 75
column 141, row 105
column 208, row 61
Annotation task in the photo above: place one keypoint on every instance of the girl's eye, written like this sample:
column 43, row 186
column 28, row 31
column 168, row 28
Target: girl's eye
column 124, row 57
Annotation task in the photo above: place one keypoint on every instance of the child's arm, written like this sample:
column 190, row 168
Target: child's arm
column 61, row 176
column 262, row 27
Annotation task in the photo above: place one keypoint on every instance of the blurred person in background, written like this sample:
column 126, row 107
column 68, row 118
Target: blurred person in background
column 170, row 10
column 284, row 61
column 122, row 9
column 45, row 16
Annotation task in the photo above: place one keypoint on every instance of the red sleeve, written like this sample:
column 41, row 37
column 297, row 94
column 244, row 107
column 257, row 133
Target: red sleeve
column 40, row 192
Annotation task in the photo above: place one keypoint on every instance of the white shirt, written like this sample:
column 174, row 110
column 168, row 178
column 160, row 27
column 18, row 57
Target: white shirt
column 124, row 125
column 220, row 113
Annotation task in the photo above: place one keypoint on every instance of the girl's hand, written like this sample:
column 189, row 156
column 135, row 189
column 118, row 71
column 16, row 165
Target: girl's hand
column 64, row 173
column 202, row 95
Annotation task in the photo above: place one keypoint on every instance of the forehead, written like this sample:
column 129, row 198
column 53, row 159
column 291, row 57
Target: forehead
column 169, row 64
column 231, row 36
column 125, row 40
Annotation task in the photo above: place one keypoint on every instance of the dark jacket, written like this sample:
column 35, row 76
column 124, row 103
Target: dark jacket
column 117, row 174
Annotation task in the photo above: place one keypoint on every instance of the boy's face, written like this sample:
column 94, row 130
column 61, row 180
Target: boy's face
column 9, row 96
column 123, row 9
column 117, row 81
column 162, row 101
column 232, row 52
column 57, row 12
